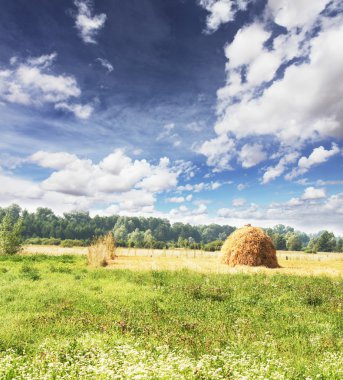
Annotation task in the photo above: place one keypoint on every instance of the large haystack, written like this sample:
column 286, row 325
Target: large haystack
column 249, row 246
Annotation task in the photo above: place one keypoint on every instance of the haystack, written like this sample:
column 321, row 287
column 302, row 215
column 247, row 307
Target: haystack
column 249, row 246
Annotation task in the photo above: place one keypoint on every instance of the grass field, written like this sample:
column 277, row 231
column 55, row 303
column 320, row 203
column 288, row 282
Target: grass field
column 62, row 319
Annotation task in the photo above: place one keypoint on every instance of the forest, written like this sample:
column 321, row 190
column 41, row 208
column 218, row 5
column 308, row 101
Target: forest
column 79, row 228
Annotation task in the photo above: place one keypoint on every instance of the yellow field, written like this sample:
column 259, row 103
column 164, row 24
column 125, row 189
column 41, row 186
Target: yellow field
column 330, row 264
column 53, row 250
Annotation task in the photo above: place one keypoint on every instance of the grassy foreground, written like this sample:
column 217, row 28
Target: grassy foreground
column 61, row 319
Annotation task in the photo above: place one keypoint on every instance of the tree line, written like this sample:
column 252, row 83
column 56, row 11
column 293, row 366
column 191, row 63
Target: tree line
column 79, row 228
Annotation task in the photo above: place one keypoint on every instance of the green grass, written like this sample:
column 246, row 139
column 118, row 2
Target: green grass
column 251, row 318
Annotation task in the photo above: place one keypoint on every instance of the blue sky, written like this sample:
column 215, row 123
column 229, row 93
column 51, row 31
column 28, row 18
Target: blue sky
column 200, row 111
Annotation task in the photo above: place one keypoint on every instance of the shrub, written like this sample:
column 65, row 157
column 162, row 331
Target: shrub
column 102, row 250
column 69, row 243
column 30, row 273
column 33, row 241
column 10, row 236
column 51, row 241
column 310, row 250
column 213, row 246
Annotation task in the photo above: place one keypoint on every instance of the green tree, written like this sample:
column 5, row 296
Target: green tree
column 339, row 245
column 10, row 235
column 136, row 238
column 279, row 241
column 148, row 239
column 293, row 242
column 120, row 234
column 326, row 242
column 312, row 246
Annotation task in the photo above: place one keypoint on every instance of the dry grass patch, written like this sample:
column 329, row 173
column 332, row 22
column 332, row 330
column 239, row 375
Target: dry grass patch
column 102, row 251
column 303, row 267
column 53, row 250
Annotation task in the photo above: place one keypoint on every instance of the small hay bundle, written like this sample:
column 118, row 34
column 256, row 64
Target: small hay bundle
column 249, row 246
column 102, row 250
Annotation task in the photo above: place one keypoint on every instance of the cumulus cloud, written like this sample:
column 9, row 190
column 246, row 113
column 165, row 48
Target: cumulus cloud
column 283, row 86
column 273, row 172
column 316, row 210
column 219, row 152
column 87, row 24
column 32, row 83
column 313, row 193
column 318, row 156
column 52, row 160
column 251, row 155
column 117, row 182
column 291, row 14
column 221, row 12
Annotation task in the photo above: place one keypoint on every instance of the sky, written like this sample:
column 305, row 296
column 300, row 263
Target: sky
column 199, row 111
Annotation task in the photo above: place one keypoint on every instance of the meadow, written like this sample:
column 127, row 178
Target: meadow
column 61, row 319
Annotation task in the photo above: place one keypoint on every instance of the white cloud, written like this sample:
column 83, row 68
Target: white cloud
column 160, row 178
column 42, row 61
column 302, row 102
column 106, row 64
column 188, row 198
column 313, row 193
column 251, row 155
column 246, row 46
column 176, row 199
column 291, row 14
column 52, row 160
column 219, row 151
column 315, row 108
column 317, row 212
column 184, row 212
column 32, row 83
column 238, row 202
column 88, row 25
column 12, row 189
column 318, row 156
column 79, row 110
column 201, row 186
column 117, row 182
column 115, row 173
column 275, row 171
column 115, row 162
column 221, row 11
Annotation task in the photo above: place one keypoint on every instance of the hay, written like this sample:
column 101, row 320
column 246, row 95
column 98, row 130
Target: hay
column 102, row 250
column 249, row 246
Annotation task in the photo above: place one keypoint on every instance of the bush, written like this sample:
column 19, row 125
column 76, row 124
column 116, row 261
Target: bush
column 10, row 236
column 69, row 243
column 51, row 241
column 102, row 250
column 213, row 246
column 30, row 273
column 310, row 250
column 33, row 241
